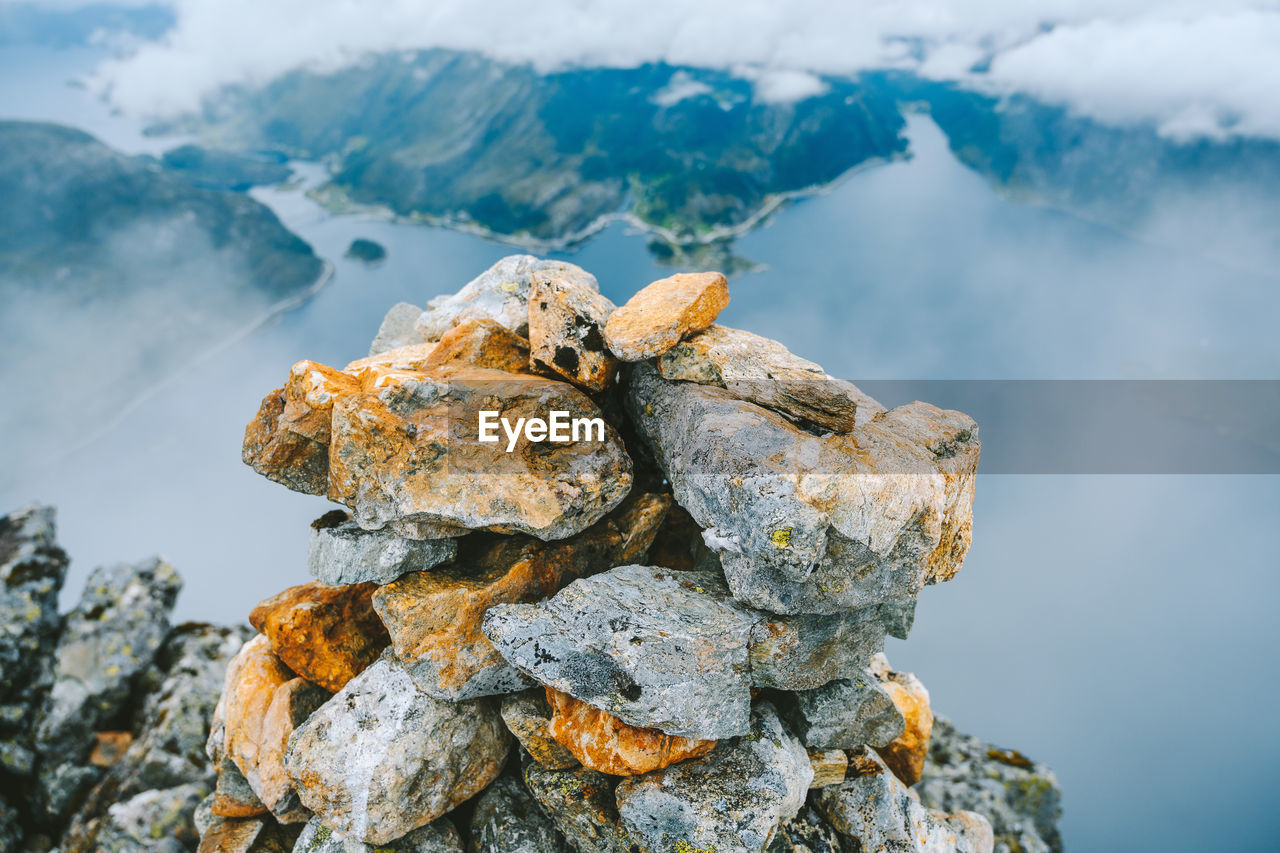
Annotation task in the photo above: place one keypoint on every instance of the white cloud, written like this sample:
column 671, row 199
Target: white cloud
column 1215, row 75
column 1190, row 66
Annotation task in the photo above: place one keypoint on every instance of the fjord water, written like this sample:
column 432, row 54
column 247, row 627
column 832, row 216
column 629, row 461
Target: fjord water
column 1119, row 629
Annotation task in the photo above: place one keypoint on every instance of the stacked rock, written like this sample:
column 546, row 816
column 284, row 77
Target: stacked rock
column 653, row 558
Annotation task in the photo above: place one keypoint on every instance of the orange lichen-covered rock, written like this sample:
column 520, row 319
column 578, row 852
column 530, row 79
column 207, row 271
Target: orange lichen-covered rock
column 326, row 634
column 528, row 716
column 906, row 755
column 293, row 702
column 603, row 742
column 288, row 441
column 656, row 318
column 434, row 618
column 829, row 767
column 411, row 357
column 253, row 676
column 481, row 342
column 409, row 453
column 566, row 316
column 109, row 747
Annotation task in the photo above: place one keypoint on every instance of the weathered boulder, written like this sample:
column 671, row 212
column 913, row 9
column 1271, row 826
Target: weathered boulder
column 731, row 801
column 844, row 714
column 507, row 820
column 291, row 705
column 253, row 677
column 288, row 441
column 806, row 651
column 874, row 808
column 440, row 836
column 342, row 552
column 566, row 318
column 397, row 328
column 765, row 372
column 408, row 452
column 527, row 715
column 659, row 315
column 481, row 342
column 326, row 634
column 657, row 648
column 602, row 742
column 499, row 293
column 581, row 803
column 382, row 758
column 807, row 523
column 108, row 642
column 807, row 832
column 905, row 755
column 1020, row 797
column 435, row 617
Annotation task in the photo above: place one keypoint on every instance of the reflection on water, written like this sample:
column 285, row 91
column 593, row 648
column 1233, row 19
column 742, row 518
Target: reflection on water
column 1107, row 626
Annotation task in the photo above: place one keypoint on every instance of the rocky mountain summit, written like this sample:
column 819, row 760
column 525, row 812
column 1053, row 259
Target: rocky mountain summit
column 666, row 636
column 104, row 711
column 657, row 627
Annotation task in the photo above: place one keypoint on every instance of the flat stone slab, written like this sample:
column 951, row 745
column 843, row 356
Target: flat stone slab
column 657, row 648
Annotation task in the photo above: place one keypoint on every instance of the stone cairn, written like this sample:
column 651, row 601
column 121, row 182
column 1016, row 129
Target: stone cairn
column 663, row 636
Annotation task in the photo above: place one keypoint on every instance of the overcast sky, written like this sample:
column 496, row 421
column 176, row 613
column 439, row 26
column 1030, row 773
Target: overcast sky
column 1208, row 67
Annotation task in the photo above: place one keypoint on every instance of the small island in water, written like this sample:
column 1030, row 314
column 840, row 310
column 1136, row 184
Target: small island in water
column 368, row 251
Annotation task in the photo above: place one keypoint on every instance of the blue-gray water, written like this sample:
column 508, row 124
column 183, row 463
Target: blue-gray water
column 1120, row 629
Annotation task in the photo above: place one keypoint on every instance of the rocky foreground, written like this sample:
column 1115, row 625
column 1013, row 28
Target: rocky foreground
column 663, row 635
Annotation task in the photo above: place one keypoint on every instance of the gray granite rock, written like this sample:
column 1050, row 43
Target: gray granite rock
column 342, row 552
column 60, row 787
column 32, row 570
column 382, row 758
column 810, row 523
column 806, row 651
column 508, row 820
column 108, row 642
column 730, row 801
column 581, row 804
column 880, row 813
column 397, row 329
column 439, row 836
column 1020, row 797
column 167, row 751
column 844, row 714
column 157, row 821
column 763, row 371
column 499, row 293
column 657, row 648
column 807, row 832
